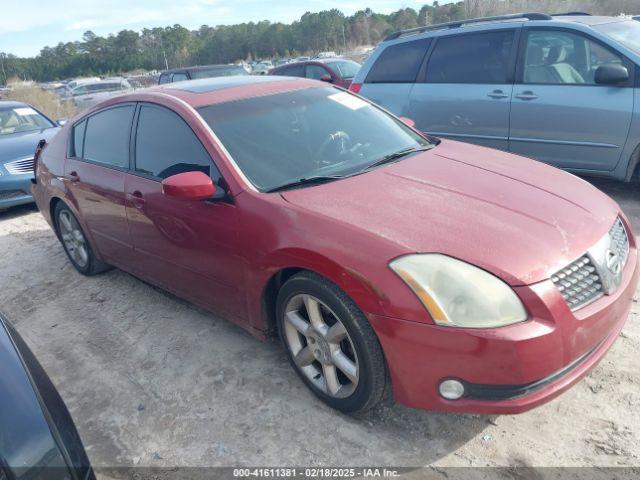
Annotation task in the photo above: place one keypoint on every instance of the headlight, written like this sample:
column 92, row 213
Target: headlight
column 458, row 294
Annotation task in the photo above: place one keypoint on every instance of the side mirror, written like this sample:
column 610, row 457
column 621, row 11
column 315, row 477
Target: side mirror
column 61, row 122
column 611, row 74
column 408, row 121
column 189, row 186
column 326, row 78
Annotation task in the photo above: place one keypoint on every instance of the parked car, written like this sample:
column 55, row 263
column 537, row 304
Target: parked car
column 82, row 81
column 21, row 128
column 461, row 277
column 208, row 71
column 555, row 88
column 338, row 71
column 89, row 94
column 38, row 440
column 326, row 55
column 262, row 68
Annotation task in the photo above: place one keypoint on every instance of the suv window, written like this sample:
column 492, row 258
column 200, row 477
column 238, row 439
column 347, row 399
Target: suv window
column 316, row 72
column 107, row 136
column 556, row 57
column 165, row 145
column 399, row 63
column 471, row 58
column 164, row 78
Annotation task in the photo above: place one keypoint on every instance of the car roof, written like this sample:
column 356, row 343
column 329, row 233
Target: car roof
column 209, row 91
column 483, row 23
column 6, row 104
column 199, row 67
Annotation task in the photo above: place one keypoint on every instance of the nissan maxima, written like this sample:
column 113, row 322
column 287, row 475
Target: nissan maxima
column 456, row 277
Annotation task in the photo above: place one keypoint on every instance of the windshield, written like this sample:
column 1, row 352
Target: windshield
column 218, row 72
column 627, row 33
column 22, row 119
column 279, row 139
column 345, row 68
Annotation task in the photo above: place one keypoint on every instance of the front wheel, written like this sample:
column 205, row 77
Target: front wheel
column 75, row 242
column 330, row 343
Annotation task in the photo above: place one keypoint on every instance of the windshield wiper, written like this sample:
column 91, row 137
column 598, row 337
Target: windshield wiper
column 397, row 155
column 306, row 181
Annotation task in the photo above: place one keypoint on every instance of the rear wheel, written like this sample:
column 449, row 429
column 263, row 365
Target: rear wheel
column 75, row 242
column 330, row 343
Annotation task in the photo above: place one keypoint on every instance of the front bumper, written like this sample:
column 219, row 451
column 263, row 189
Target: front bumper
column 15, row 190
column 510, row 369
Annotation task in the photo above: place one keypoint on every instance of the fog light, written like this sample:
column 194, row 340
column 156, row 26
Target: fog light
column 451, row 389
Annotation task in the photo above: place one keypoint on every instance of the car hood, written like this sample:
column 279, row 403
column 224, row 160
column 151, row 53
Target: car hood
column 23, row 144
column 517, row 218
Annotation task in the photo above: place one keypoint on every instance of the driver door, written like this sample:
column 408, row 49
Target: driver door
column 187, row 247
column 559, row 114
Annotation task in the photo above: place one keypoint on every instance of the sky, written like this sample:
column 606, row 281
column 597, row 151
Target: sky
column 28, row 25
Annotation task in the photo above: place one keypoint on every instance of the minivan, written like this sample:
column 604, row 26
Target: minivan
column 563, row 89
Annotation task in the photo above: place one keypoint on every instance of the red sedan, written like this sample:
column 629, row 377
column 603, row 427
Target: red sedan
column 457, row 277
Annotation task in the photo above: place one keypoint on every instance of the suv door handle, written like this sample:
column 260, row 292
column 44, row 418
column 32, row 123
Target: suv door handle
column 497, row 94
column 527, row 95
column 136, row 199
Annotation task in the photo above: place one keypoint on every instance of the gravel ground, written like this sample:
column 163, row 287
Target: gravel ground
column 153, row 381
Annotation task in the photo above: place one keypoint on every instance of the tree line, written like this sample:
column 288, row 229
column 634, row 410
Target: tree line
column 176, row 46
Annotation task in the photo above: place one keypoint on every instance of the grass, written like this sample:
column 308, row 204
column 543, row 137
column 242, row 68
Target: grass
column 46, row 102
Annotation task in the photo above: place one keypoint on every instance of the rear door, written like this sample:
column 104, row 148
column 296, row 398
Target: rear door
column 559, row 114
column 465, row 91
column 188, row 247
column 95, row 173
column 392, row 75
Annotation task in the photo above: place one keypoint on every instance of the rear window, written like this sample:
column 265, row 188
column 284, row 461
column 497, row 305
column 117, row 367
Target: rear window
column 475, row 58
column 106, row 138
column 399, row 63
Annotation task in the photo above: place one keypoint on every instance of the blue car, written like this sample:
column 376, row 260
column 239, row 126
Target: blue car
column 21, row 128
column 563, row 89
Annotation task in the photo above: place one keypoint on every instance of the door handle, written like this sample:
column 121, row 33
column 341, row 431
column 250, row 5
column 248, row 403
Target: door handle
column 136, row 199
column 497, row 94
column 73, row 176
column 527, row 95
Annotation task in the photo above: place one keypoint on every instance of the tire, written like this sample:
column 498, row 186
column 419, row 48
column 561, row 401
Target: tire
column 315, row 349
column 75, row 243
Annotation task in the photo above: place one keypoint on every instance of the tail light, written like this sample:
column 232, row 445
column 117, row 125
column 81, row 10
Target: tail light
column 355, row 87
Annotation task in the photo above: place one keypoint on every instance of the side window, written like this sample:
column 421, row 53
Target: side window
column 315, row 71
column 78, row 139
column 554, row 57
column 294, row 71
column 399, row 63
column 164, row 78
column 481, row 58
column 107, row 134
column 165, row 145
column 179, row 77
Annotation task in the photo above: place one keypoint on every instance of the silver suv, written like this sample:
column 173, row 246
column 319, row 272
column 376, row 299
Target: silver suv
column 564, row 89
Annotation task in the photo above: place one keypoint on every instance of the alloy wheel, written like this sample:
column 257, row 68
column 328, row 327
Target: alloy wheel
column 321, row 346
column 73, row 238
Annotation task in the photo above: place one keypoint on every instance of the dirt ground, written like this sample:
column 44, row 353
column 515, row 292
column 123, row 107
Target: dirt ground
column 151, row 380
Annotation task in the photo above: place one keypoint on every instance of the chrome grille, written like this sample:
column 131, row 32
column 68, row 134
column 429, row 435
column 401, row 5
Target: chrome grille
column 619, row 241
column 597, row 272
column 20, row 167
column 579, row 282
